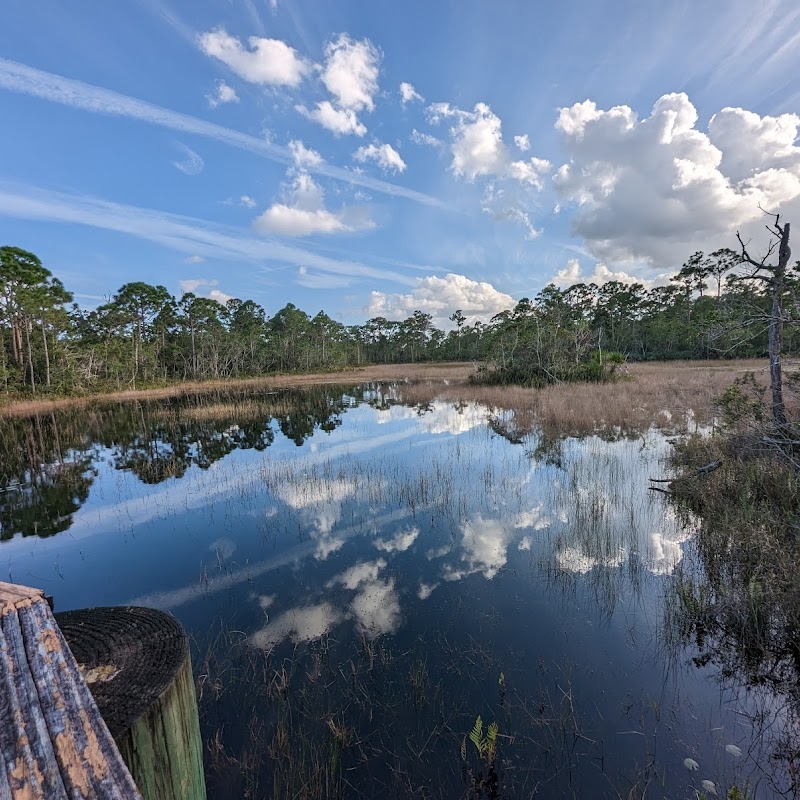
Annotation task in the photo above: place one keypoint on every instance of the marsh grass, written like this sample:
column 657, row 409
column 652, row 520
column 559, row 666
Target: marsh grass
column 673, row 396
column 341, row 720
column 737, row 601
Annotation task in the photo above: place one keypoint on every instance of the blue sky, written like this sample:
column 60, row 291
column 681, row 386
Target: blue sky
column 375, row 158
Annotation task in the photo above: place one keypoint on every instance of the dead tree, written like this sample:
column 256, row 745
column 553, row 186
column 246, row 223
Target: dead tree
column 774, row 277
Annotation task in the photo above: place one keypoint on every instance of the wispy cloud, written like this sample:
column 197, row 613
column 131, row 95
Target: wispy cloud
column 191, row 163
column 20, row 78
column 181, row 233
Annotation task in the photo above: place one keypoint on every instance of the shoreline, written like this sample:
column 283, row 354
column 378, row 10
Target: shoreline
column 456, row 371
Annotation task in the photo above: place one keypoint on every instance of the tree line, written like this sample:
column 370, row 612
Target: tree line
column 712, row 307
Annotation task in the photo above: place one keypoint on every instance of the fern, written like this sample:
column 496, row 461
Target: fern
column 476, row 735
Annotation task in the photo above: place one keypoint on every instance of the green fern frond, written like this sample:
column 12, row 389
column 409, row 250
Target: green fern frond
column 492, row 733
column 476, row 735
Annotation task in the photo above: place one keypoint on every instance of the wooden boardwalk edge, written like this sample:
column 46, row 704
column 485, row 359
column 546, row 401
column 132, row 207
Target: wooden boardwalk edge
column 53, row 741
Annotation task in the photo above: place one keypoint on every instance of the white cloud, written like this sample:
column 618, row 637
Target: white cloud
column 572, row 274
column 523, row 143
column 425, row 138
column 340, row 121
column 351, row 72
column 204, row 287
column 195, row 259
column 359, row 574
column 409, row 93
column 478, row 144
column 503, row 202
column 247, row 201
column 267, row 61
column 531, row 172
column 304, row 156
column 304, row 213
column 426, row 590
column 191, row 163
column 20, row 78
column 572, row 559
column 188, row 235
column 384, row 155
column 440, row 297
column 648, row 189
column 376, row 608
column 399, row 543
column 303, row 624
column 222, row 94
column 317, row 280
column 484, row 545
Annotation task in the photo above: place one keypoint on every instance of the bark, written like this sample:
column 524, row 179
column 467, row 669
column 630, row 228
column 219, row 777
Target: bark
column 776, row 332
column 46, row 354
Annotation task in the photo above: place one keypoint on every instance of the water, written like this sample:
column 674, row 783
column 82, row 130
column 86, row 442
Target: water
column 362, row 579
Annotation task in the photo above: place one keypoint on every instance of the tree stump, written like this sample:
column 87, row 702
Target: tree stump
column 137, row 665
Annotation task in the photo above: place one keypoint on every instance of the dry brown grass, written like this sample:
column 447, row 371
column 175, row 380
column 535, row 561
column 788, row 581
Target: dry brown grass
column 388, row 372
column 668, row 394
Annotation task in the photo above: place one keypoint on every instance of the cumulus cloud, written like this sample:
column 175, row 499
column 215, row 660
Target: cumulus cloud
column 302, row 624
column 191, row 163
column 484, row 545
column 399, row 543
column 384, row 155
column 351, row 72
column 222, row 94
column 205, row 287
column 357, row 575
column 304, row 156
column 247, row 201
column 523, row 143
column 409, row 93
column 440, row 296
column 266, row 61
column 531, row 172
column 572, row 274
column 425, row 590
column 478, row 144
column 376, row 608
column 304, row 213
column 478, row 148
column 646, row 189
column 340, row 121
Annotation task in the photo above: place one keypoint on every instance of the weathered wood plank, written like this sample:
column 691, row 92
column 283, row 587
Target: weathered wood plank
column 87, row 756
column 53, row 741
column 29, row 761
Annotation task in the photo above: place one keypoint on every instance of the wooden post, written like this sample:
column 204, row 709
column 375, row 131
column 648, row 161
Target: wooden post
column 137, row 665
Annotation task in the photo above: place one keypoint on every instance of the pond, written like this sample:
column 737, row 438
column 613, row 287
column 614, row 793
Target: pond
column 363, row 578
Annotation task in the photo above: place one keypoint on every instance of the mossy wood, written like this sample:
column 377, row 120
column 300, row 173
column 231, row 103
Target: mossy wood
column 54, row 743
column 137, row 664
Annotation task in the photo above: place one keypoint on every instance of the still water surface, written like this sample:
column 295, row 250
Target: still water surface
column 363, row 578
